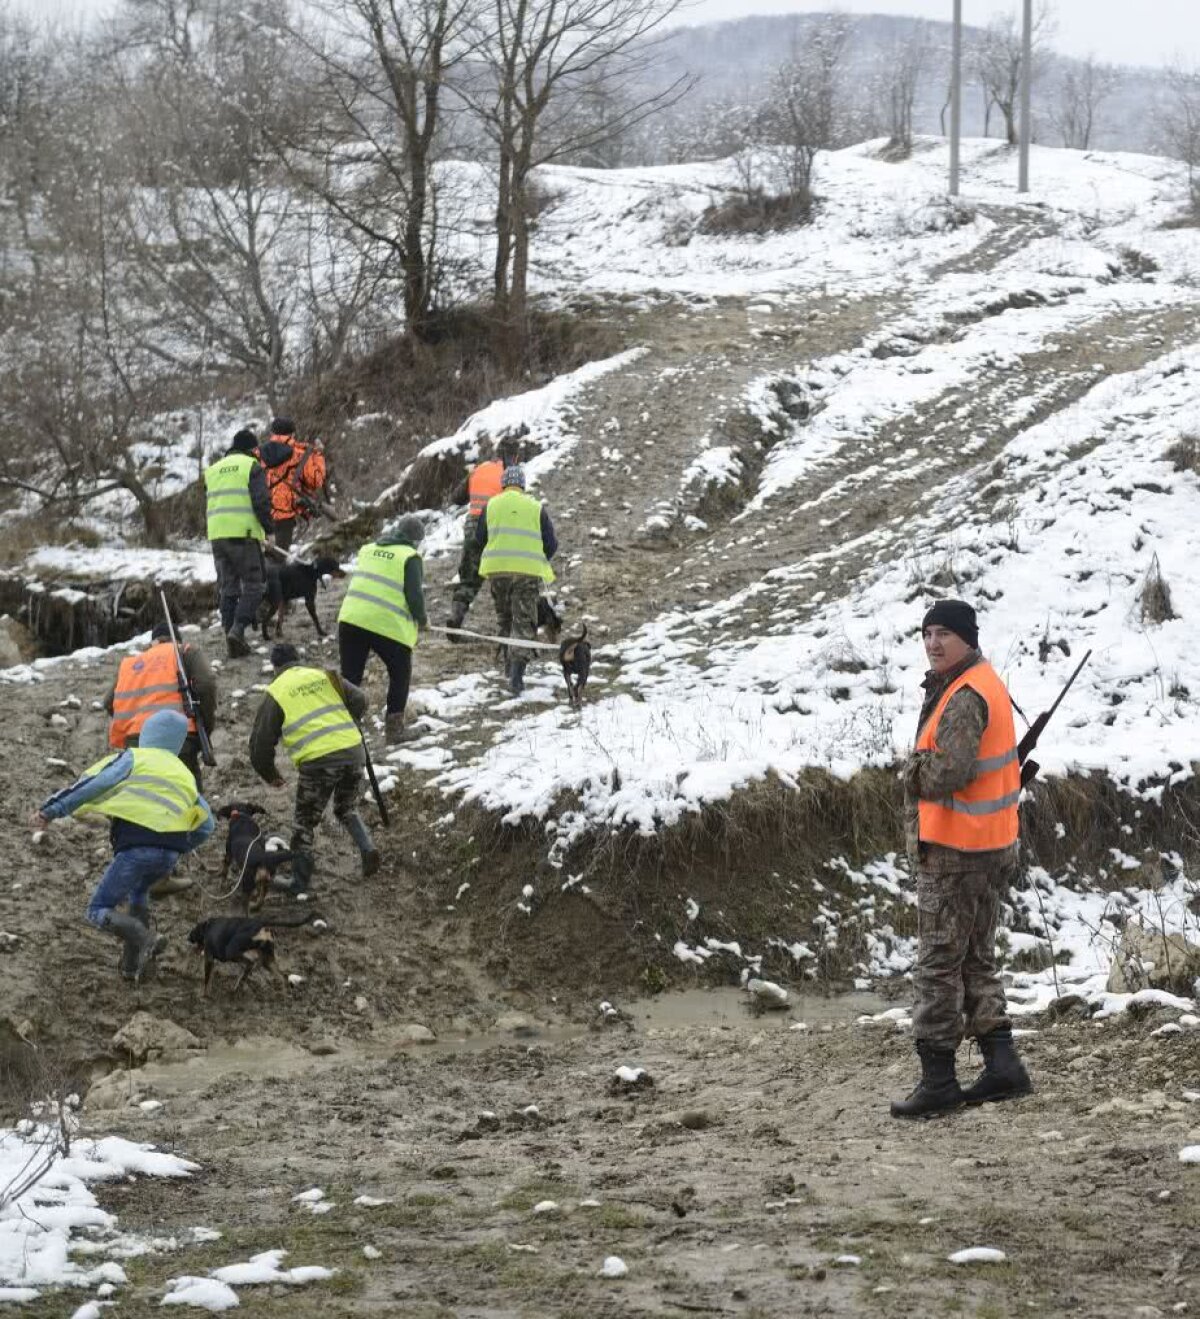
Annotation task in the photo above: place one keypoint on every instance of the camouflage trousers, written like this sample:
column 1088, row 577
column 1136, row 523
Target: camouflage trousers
column 315, row 785
column 958, row 988
column 469, row 581
column 516, row 601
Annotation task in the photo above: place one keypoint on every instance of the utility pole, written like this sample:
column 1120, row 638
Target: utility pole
column 1026, row 97
column 956, row 100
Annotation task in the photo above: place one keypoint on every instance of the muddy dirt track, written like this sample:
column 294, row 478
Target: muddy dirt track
column 732, row 1185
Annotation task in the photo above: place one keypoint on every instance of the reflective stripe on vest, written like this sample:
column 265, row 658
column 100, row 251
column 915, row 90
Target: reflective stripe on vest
column 159, row 794
column 514, row 543
column 146, row 683
column 983, row 816
column 484, row 485
column 230, row 509
column 375, row 598
column 315, row 719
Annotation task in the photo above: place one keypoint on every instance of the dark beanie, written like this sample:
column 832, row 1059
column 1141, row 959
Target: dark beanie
column 283, row 654
column 245, row 441
column 283, row 426
column 958, row 617
column 160, row 632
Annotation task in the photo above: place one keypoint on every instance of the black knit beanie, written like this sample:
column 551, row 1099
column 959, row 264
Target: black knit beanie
column 283, row 426
column 283, row 654
column 245, row 441
column 958, row 617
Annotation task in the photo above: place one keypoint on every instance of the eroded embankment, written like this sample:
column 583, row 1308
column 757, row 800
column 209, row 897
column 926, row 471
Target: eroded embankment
column 810, row 879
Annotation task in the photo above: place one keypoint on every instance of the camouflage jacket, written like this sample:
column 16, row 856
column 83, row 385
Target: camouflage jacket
column 935, row 775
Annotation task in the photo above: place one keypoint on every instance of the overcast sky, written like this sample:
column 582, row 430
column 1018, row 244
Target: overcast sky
column 1125, row 31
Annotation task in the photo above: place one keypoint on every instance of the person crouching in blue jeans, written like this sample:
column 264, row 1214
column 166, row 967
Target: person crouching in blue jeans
column 157, row 815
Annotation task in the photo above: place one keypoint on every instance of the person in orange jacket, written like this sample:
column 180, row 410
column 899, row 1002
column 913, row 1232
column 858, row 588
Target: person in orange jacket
column 962, row 788
column 296, row 476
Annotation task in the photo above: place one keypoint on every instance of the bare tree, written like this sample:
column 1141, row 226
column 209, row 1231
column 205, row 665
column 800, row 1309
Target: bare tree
column 1179, row 124
column 542, row 56
column 805, row 113
column 1082, row 90
column 906, row 64
column 375, row 131
column 998, row 58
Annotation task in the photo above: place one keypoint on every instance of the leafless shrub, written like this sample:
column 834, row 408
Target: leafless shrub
column 1184, row 454
column 1155, row 596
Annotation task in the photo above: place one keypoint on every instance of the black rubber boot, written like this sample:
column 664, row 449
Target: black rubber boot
column 357, row 829
column 516, row 676
column 937, row 1091
column 457, row 617
column 141, row 946
column 235, row 641
column 1004, row 1075
column 303, row 865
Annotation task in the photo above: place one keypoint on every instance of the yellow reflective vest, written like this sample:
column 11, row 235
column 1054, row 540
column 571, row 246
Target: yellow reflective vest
column 160, row 794
column 375, row 599
column 230, row 509
column 316, row 721
column 514, row 537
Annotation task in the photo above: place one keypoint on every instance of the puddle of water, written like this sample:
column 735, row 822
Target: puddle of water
column 727, row 1008
column 722, row 1008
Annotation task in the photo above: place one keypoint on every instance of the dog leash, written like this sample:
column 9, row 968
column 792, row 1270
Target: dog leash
column 224, row 897
column 516, row 642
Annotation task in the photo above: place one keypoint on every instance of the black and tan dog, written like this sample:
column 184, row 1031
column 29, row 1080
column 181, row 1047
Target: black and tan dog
column 247, row 855
column 295, row 581
column 245, row 940
column 575, row 656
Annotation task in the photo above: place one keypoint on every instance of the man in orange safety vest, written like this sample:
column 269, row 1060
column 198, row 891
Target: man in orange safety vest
column 962, row 787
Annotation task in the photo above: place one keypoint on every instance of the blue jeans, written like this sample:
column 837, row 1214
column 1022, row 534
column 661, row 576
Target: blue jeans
column 129, row 877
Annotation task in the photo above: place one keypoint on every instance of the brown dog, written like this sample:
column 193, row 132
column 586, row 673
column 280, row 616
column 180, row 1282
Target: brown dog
column 575, row 656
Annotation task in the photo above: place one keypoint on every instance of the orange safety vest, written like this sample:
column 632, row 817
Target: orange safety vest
column 982, row 817
column 484, row 484
column 146, row 684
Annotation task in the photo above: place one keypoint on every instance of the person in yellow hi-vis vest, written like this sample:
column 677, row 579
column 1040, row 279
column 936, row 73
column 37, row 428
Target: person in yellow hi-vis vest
column 383, row 611
column 517, row 538
column 157, row 815
column 239, row 520
column 315, row 714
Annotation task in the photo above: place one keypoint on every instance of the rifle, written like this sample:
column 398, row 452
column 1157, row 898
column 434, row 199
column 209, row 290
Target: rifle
column 186, row 695
column 336, row 679
column 1029, row 768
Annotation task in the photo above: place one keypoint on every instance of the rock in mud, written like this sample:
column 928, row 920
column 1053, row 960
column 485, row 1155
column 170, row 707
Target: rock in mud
column 118, row 1089
column 415, row 1033
column 1068, row 1006
column 1148, row 959
column 517, row 1022
column 628, row 1080
column 145, row 1036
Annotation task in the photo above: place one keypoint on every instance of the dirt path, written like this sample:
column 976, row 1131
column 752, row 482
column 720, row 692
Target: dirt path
column 759, row 1158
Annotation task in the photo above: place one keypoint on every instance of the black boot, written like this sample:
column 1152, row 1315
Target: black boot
column 235, row 641
column 516, row 676
column 141, row 945
column 357, row 829
column 1004, row 1075
column 300, row 884
column 937, row 1091
column 456, row 618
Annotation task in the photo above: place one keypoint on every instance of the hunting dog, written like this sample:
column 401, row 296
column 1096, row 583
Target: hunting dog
column 241, row 939
column 295, row 581
column 575, row 656
column 247, row 854
column 549, row 620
